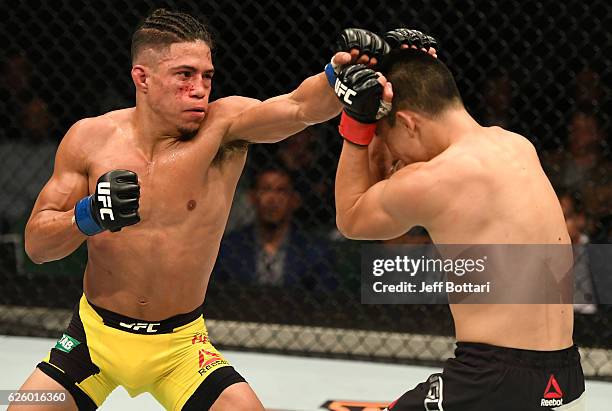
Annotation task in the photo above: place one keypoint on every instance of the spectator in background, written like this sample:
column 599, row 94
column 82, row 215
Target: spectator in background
column 15, row 91
column 18, row 97
column 274, row 251
column 27, row 152
column 599, row 262
column 584, row 291
column 575, row 218
column 588, row 90
column 27, row 146
column 497, row 102
column 312, row 175
column 312, row 178
column 583, row 167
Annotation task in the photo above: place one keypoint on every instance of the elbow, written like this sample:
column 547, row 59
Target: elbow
column 33, row 252
column 33, row 256
column 346, row 228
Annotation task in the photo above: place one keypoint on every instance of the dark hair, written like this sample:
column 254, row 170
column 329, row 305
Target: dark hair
column 421, row 82
column 272, row 168
column 162, row 28
column 575, row 197
column 589, row 112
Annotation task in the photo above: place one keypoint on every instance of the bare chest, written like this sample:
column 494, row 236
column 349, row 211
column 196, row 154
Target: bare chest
column 177, row 184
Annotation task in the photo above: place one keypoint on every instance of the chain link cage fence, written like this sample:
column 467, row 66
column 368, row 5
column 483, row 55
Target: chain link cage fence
column 540, row 68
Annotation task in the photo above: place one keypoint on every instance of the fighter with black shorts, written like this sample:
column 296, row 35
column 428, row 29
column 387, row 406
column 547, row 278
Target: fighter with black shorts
column 468, row 185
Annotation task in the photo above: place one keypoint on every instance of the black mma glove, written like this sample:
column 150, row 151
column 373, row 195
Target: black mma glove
column 363, row 40
column 359, row 91
column 114, row 204
column 395, row 39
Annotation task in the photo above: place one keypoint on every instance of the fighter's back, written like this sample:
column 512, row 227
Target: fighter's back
column 497, row 193
column 500, row 192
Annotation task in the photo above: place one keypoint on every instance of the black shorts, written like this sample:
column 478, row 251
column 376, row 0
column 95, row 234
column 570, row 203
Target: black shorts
column 484, row 377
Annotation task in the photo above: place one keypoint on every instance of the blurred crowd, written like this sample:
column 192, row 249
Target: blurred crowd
column 281, row 231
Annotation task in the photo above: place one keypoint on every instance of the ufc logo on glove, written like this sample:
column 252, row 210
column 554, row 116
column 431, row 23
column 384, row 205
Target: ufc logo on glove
column 117, row 197
column 104, row 196
column 342, row 90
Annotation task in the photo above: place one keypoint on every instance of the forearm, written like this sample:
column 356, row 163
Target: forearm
column 279, row 117
column 380, row 160
column 352, row 181
column 316, row 100
column 51, row 235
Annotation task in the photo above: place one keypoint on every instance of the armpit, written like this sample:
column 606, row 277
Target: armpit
column 230, row 149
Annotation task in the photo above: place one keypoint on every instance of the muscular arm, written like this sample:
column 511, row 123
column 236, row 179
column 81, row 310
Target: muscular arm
column 51, row 233
column 314, row 101
column 384, row 210
column 277, row 118
column 380, row 160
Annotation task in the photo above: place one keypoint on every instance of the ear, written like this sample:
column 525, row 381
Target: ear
column 140, row 76
column 407, row 120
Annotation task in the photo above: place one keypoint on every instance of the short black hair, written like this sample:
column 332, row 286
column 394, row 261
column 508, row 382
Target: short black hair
column 271, row 168
column 589, row 112
column 421, row 82
column 163, row 28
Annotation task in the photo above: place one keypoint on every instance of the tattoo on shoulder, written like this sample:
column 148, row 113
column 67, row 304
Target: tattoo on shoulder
column 230, row 149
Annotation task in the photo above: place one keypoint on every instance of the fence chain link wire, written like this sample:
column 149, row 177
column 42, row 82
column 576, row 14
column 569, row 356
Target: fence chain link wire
column 539, row 68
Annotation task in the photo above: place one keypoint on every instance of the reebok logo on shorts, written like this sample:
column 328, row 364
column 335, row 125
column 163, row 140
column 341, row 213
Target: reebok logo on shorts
column 208, row 360
column 207, row 357
column 66, row 343
column 553, row 396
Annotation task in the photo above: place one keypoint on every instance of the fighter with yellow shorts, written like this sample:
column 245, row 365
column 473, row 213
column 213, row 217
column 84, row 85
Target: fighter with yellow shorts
column 173, row 359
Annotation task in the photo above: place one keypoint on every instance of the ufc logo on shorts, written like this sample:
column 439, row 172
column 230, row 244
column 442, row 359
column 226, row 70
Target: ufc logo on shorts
column 148, row 327
column 433, row 399
column 104, row 197
column 342, row 90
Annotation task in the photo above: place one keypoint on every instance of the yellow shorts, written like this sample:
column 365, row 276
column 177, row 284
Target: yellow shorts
column 172, row 359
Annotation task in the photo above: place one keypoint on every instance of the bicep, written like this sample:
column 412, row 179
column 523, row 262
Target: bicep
column 374, row 216
column 68, row 182
column 391, row 207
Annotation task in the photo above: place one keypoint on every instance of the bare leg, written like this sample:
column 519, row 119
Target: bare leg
column 38, row 380
column 237, row 397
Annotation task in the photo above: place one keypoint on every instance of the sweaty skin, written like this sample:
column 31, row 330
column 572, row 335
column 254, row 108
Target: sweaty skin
column 161, row 266
column 471, row 185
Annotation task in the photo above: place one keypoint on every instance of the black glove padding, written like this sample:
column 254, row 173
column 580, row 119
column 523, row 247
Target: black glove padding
column 363, row 40
column 360, row 92
column 416, row 38
column 115, row 203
